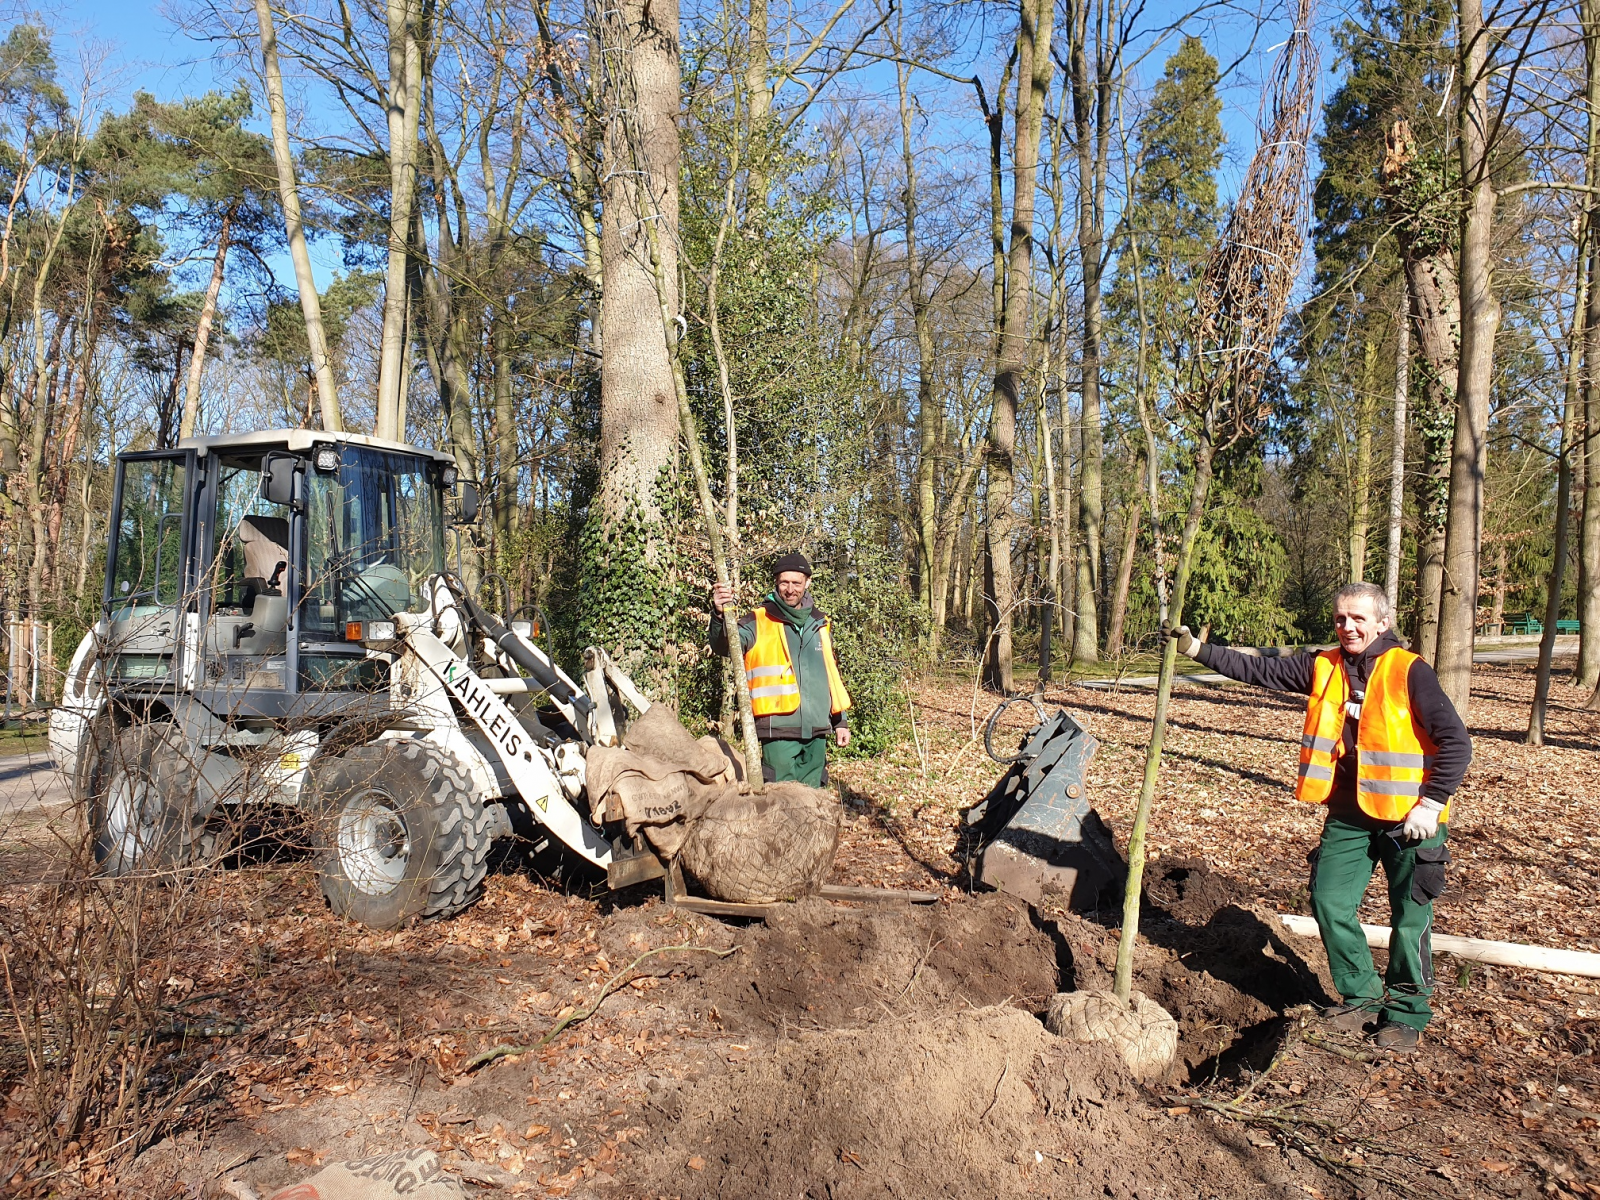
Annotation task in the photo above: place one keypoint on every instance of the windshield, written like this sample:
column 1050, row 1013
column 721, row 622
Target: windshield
column 375, row 533
column 147, row 568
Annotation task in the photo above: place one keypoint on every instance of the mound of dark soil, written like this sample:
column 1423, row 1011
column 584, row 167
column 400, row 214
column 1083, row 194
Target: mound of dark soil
column 1187, row 890
column 816, row 965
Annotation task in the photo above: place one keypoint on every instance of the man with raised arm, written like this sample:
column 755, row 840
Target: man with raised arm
column 1383, row 749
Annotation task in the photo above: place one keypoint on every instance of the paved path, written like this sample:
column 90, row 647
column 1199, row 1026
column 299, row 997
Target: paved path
column 27, row 780
column 1511, row 650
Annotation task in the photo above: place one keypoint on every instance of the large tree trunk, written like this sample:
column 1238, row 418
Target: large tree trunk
column 294, row 226
column 1035, row 24
column 1397, row 457
column 1435, row 299
column 202, row 332
column 1480, row 318
column 639, row 424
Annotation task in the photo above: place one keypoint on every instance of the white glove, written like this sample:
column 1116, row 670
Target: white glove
column 1188, row 644
column 1422, row 822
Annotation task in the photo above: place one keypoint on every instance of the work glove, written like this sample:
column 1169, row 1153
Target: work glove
column 1188, row 644
column 1422, row 822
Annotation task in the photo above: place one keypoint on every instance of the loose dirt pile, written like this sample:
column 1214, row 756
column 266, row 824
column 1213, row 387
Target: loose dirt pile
column 900, row 1052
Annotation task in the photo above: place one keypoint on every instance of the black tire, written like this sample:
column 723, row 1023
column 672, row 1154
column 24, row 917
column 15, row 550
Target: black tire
column 143, row 814
column 400, row 833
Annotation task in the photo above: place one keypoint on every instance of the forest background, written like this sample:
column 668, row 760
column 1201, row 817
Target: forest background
column 923, row 275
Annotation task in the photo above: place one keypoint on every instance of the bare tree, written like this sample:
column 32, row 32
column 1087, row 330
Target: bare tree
column 1035, row 24
column 1480, row 318
column 294, row 225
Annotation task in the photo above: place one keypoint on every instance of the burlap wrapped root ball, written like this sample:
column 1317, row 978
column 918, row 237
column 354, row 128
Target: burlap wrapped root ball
column 758, row 849
column 1143, row 1032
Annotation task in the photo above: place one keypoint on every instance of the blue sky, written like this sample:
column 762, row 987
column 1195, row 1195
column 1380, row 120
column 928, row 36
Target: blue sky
column 149, row 53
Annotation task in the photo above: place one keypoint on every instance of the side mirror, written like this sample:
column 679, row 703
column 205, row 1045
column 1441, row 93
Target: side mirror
column 469, row 502
column 280, row 480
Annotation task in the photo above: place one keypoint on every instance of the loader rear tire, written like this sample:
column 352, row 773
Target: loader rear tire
column 400, row 833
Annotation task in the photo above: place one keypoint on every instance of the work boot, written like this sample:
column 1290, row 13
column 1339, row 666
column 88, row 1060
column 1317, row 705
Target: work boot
column 1351, row 1018
column 1401, row 1039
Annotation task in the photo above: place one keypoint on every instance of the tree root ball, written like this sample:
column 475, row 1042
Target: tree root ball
column 759, row 849
column 1143, row 1032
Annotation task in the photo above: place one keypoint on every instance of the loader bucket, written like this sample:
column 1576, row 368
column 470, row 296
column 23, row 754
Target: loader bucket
column 1035, row 834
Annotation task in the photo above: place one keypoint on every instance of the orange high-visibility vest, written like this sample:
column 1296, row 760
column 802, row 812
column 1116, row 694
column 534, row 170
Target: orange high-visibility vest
column 774, row 687
column 1394, row 756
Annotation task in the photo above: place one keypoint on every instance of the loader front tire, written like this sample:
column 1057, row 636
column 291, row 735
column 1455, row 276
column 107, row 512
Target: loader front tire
column 143, row 807
column 400, row 833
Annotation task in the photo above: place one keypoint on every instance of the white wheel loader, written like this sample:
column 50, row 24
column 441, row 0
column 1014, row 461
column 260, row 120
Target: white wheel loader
column 280, row 627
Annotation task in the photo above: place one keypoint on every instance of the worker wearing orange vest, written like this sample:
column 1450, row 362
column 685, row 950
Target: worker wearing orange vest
column 1384, row 749
column 796, row 690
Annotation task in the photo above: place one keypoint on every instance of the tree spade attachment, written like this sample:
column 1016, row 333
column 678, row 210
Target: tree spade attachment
column 1035, row 834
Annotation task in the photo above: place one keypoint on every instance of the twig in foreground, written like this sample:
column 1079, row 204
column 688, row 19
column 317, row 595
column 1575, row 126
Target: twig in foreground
column 582, row 1014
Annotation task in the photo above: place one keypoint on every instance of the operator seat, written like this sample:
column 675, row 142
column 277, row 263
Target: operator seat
column 262, row 628
column 266, row 555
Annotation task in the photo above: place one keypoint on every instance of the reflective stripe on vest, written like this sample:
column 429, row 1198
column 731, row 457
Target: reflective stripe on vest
column 1394, row 756
column 774, row 687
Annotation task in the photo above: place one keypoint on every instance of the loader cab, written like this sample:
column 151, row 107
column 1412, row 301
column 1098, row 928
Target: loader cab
column 237, row 565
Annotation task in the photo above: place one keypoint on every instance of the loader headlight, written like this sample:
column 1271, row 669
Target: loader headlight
column 448, row 477
column 370, row 631
column 327, row 458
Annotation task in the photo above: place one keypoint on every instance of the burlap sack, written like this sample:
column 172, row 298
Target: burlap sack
column 760, row 849
column 660, row 781
column 659, row 734
column 412, row 1174
column 1141, row 1031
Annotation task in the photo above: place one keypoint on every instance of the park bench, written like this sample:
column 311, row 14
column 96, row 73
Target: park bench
column 1522, row 623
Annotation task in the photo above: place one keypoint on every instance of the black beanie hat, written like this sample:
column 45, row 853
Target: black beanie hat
column 791, row 562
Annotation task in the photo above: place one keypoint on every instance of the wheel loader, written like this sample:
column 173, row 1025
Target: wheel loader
column 280, row 627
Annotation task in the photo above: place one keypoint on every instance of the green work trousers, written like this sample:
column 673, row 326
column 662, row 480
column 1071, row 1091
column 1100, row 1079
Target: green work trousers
column 1341, row 868
column 803, row 761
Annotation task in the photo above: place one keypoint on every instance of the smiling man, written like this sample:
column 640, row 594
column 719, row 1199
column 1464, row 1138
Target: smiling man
column 795, row 687
column 1383, row 749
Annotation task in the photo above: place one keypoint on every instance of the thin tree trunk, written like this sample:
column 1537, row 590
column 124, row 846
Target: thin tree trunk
column 1480, row 318
column 1036, row 21
column 1089, row 99
column 928, row 415
column 505, row 438
column 1569, row 428
column 1119, row 598
column 1361, row 517
column 1588, row 674
column 404, row 105
column 294, row 227
column 1397, row 456
column 202, row 332
column 1204, row 451
column 1497, row 609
